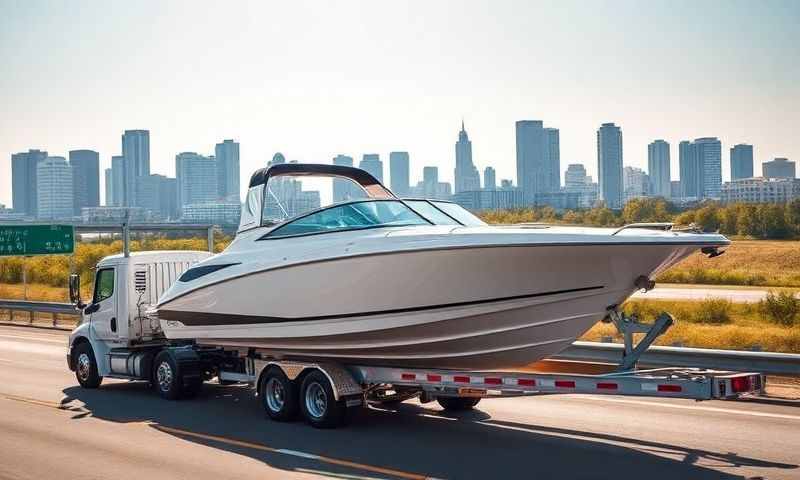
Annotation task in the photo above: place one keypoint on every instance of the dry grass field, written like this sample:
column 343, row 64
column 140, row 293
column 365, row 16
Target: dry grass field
column 773, row 263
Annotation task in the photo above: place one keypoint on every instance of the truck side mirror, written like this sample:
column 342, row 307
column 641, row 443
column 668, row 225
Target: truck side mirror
column 75, row 291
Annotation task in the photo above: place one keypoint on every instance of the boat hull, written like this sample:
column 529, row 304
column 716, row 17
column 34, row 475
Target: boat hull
column 473, row 308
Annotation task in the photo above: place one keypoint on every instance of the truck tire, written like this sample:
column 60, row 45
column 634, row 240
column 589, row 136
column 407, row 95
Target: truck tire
column 278, row 395
column 166, row 377
column 86, row 366
column 319, row 406
column 457, row 404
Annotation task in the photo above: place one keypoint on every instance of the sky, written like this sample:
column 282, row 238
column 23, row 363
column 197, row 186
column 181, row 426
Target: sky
column 315, row 79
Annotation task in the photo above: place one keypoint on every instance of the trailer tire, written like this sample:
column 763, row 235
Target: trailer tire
column 458, row 404
column 86, row 366
column 166, row 377
column 318, row 404
column 278, row 395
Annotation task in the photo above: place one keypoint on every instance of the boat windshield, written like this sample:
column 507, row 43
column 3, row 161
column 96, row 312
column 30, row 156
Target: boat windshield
column 351, row 216
column 288, row 196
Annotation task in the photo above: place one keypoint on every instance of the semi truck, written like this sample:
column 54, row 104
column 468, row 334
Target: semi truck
column 116, row 338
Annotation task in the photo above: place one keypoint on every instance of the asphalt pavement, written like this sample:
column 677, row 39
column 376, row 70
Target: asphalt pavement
column 51, row 428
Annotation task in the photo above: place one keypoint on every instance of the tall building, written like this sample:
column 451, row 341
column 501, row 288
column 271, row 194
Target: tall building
column 54, row 189
column 761, row 190
column 119, row 188
column 109, row 186
column 23, row 181
column 197, row 179
column 575, row 178
column 741, row 161
column 466, row 175
column 371, row 163
column 609, row 165
column 399, row 173
column 136, row 152
column 158, row 194
column 538, row 158
column 344, row 189
column 227, row 158
column 708, row 154
column 658, row 169
column 85, row 178
column 689, row 170
column 489, row 179
column 779, row 168
column 430, row 186
column 635, row 182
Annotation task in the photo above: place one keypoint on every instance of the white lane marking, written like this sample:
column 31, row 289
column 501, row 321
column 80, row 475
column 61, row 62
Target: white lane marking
column 698, row 408
column 296, row 453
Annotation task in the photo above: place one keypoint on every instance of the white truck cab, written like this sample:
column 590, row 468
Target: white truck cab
column 114, row 320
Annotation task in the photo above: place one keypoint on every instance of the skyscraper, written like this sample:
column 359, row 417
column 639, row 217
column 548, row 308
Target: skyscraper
column 109, row 186
column 635, row 182
column 371, row 163
column 227, row 158
column 689, row 170
column 197, row 178
column 538, row 158
column 466, row 175
column 658, row 168
column 708, row 153
column 119, row 188
column 23, row 181
column 54, row 188
column 741, row 161
column 609, row 165
column 85, row 178
column 779, row 168
column 575, row 178
column 136, row 152
column 399, row 173
column 489, row 179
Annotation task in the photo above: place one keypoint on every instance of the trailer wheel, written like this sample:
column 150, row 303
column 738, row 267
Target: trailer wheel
column 166, row 377
column 455, row 404
column 86, row 366
column 319, row 406
column 278, row 395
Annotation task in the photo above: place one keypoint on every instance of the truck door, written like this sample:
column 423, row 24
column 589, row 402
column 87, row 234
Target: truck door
column 104, row 305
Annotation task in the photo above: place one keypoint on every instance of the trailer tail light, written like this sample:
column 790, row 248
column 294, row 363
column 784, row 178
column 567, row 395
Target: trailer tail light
column 565, row 384
column 492, row 381
column 607, row 386
column 670, row 388
column 408, row 376
column 740, row 384
column 434, row 378
column 461, row 379
column 526, row 382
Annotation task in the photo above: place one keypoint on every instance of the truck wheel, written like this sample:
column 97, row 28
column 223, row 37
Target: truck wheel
column 166, row 378
column 319, row 406
column 278, row 395
column 455, row 404
column 86, row 366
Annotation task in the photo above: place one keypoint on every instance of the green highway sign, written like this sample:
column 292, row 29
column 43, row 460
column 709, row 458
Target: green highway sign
column 24, row 240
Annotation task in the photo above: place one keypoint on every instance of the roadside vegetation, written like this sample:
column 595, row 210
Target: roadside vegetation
column 772, row 325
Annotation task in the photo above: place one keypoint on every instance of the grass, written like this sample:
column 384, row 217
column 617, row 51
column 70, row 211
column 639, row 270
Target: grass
column 772, row 263
column 745, row 328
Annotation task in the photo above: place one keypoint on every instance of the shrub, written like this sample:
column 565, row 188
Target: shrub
column 782, row 308
column 715, row 311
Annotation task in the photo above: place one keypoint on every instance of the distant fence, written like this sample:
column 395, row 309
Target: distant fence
column 63, row 315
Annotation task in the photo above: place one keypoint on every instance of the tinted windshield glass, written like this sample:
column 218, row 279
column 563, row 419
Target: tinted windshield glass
column 292, row 195
column 351, row 216
column 430, row 212
column 459, row 213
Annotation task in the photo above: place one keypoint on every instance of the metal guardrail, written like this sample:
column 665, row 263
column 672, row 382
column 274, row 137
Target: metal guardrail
column 769, row 363
column 32, row 308
column 734, row 360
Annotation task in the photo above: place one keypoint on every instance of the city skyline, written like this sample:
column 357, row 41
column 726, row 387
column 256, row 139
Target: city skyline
column 277, row 93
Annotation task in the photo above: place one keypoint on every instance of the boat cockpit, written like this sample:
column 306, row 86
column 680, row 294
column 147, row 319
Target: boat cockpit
column 307, row 199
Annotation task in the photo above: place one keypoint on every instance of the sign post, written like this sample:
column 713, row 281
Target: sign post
column 29, row 240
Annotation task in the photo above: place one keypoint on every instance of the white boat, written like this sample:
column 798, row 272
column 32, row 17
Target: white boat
column 383, row 281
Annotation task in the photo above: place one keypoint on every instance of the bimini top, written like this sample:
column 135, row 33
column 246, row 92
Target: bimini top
column 252, row 207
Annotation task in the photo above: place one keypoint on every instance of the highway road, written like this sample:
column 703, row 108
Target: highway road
column 50, row 428
column 683, row 293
